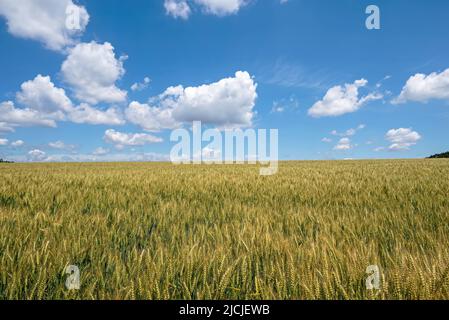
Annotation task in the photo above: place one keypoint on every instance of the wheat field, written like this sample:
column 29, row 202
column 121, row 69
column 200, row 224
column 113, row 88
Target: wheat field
column 160, row 231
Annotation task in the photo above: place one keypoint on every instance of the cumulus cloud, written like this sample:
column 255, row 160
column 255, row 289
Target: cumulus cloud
column 45, row 21
column 91, row 70
column 37, row 155
column 177, row 8
column 422, row 88
column 150, row 118
column 4, row 142
column 402, row 139
column 41, row 95
column 326, row 140
column 120, row 139
column 221, row 7
column 139, row 86
column 15, row 117
column 343, row 144
column 340, row 100
column 182, row 8
column 226, row 103
column 47, row 104
column 89, row 115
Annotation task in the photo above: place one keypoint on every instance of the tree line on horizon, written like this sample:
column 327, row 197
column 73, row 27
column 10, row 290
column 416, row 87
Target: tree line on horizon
column 440, row 155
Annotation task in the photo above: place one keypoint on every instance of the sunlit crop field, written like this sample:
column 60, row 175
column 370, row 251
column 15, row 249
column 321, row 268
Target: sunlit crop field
column 159, row 231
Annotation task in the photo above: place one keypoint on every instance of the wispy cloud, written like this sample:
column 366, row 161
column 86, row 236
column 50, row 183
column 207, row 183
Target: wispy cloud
column 291, row 75
column 282, row 105
column 349, row 132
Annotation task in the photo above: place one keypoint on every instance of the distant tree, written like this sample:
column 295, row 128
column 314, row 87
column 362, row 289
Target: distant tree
column 4, row 161
column 440, row 155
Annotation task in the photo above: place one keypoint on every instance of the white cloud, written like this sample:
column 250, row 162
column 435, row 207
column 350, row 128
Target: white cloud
column 3, row 142
column 45, row 104
column 182, row 8
column 91, row 69
column 17, row 143
column 43, row 20
column 177, row 8
column 402, row 139
column 348, row 133
column 326, row 140
column 226, row 103
column 37, row 155
column 120, row 139
column 57, row 145
column 5, row 127
column 150, row 118
column 221, row 7
column 41, row 95
column 89, row 115
column 15, row 117
column 100, row 151
column 343, row 144
column 340, row 100
column 141, row 86
column 422, row 88
column 60, row 145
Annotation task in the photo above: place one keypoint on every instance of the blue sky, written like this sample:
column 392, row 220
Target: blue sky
column 311, row 69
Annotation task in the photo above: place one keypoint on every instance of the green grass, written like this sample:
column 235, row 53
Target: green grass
column 159, row 231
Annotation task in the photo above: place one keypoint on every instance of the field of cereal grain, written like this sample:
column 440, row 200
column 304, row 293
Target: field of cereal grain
column 159, row 231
